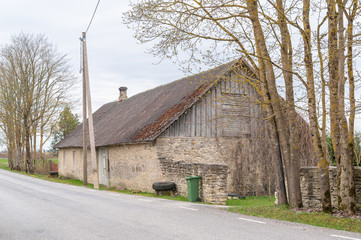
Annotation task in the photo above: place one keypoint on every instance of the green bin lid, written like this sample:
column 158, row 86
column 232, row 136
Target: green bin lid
column 193, row 177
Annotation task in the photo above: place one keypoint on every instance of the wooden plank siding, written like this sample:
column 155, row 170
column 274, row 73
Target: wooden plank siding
column 227, row 110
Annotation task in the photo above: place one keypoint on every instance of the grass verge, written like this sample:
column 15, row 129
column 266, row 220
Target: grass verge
column 145, row 194
column 4, row 165
column 263, row 207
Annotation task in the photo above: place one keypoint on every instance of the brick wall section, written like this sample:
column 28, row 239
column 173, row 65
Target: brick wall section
column 310, row 186
column 213, row 184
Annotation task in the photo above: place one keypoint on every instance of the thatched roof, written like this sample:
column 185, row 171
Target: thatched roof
column 143, row 117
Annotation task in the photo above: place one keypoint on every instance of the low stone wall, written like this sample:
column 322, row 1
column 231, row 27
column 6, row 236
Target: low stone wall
column 213, row 185
column 310, row 186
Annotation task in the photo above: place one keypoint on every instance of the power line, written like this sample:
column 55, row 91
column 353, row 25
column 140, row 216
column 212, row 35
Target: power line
column 91, row 20
column 83, row 38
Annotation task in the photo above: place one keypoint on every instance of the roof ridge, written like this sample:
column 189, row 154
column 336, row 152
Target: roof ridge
column 144, row 116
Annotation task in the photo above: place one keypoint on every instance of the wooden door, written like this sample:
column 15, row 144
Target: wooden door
column 103, row 166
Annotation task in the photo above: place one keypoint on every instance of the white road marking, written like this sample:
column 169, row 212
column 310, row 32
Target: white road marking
column 343, row 237
column 250, row 220
column 193, row 209
column 113, row 194
column 90, row 190
column 217, row 206
column 145, row 200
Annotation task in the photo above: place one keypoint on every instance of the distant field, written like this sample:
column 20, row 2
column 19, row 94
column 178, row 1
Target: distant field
column 3, row 161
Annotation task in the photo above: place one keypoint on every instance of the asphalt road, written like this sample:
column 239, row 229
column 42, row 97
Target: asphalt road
column 35, row 209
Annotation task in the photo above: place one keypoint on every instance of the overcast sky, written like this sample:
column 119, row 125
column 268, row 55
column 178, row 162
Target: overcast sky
column 115, row 58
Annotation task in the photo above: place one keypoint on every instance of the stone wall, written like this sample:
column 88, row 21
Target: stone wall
column 250, row 170
column 131, row 166
column 212, row 185
column 134, row 166
column 138, row 166
column 72, row 167
column 244, row 162
column 310, row 186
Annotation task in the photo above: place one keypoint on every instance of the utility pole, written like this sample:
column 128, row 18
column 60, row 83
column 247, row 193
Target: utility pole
column 94, row 159
column 85, row 145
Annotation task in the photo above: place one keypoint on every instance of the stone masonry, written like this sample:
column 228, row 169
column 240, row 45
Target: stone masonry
column 227, row 165
column 138, row 166
column 310, row 186
column 133, row 166
column 213, row 184
column 71, row 164
column 249, row 170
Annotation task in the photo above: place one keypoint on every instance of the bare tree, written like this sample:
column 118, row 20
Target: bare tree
column 262, row 31
column 184, row 24
column 344, row 160
column 34, row 80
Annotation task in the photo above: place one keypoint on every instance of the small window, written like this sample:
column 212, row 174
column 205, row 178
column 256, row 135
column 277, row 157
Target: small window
column 74, row 163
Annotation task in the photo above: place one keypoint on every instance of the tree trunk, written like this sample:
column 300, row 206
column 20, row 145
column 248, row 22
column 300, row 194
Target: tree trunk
column 18, row 149
column 323, row 93
column 333, row 66
column 34, row 145
column 41, row 139
column 276, row 148
column 10, row 155
column 293, row 167
column 321, row 156
column 341, row 136
column 347, row 186
column 293, row 175
column 10, row 144
column 29, row 163
column 346, row 176
column 19, row 160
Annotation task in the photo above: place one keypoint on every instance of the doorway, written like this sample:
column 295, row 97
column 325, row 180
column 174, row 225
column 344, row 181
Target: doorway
column 103, row 166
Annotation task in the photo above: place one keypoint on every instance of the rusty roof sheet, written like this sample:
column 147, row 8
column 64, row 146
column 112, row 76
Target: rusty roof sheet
column 141, row 118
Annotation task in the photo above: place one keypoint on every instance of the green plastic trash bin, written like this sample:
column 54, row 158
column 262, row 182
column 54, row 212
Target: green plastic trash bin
column 193, row 188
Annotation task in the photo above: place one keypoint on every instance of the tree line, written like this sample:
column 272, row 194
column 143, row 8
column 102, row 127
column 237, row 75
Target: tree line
column 34, row 81
column 300, row 50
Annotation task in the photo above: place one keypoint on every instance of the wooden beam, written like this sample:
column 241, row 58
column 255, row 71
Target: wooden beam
column 94, row 159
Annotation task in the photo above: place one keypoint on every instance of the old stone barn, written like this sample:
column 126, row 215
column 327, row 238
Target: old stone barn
column 210, row 124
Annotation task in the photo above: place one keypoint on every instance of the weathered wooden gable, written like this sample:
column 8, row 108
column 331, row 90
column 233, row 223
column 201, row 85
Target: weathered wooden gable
column 228, row 109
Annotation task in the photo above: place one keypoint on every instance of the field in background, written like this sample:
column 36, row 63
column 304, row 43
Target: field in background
column 3, row 161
